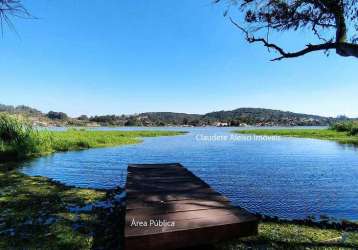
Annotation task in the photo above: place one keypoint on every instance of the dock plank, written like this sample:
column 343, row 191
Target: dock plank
column 168, row 207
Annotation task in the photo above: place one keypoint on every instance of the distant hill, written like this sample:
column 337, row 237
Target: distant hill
column 258, row 113
column 236, row 117
column 267, row 116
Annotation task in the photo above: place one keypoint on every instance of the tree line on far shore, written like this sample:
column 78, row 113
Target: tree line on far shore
column 237, row 117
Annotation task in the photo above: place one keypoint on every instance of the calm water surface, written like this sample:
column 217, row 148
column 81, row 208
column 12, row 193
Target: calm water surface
column 289, row 177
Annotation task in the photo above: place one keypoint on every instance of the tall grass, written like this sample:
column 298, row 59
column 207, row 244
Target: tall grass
column 19, row 139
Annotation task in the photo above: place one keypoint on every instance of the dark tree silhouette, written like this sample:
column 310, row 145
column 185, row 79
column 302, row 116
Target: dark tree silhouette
column 10, row 9
column 333, row 22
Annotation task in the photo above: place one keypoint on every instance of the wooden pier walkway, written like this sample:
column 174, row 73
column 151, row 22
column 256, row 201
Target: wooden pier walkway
column 168, row 207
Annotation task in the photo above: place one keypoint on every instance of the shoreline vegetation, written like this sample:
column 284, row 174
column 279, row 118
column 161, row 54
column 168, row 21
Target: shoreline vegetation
column 342, row 132
column 19, row 140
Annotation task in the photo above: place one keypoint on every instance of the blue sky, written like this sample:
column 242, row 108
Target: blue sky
column 158, row 55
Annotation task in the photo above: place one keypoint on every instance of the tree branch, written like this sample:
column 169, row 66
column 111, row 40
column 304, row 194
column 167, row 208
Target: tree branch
column 309, row 48
column 343, row 49
column 12, row 8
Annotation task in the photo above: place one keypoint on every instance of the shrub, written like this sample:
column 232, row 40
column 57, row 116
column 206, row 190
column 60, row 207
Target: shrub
column 354, row 130
column 342, row 126
column 351, row 127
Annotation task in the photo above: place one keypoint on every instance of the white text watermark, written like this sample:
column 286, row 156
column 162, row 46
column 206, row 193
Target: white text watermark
column 234, row 137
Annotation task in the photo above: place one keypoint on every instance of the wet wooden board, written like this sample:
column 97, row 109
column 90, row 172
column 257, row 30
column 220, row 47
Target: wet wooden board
column 168, row 207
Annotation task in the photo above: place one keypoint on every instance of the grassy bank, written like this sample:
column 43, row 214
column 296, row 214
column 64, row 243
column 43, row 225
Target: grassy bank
column 35, row 214
column 324, row 134
column 19, row 140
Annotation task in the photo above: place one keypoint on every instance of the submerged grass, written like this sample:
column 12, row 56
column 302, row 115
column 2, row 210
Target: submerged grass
column 324, row 134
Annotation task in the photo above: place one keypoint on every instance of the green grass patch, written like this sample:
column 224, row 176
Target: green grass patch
column 34, row 214
column 275, row 235
column 324, row 134
column 82, row 139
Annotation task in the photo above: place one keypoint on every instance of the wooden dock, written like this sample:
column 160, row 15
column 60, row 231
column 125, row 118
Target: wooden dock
column 168, row 207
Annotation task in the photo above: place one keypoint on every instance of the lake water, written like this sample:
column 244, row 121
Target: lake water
column 285, row 177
